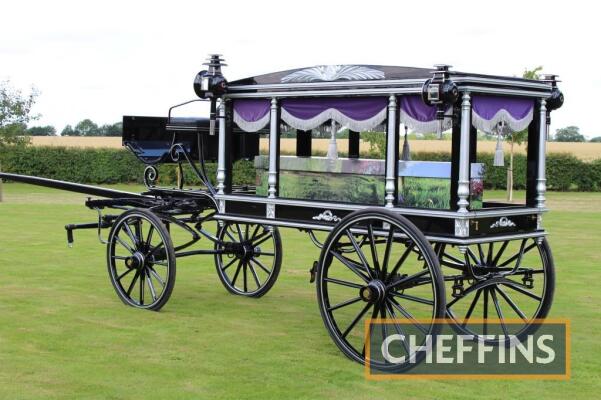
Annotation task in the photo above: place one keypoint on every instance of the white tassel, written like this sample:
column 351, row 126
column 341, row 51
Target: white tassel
column 406, row 154
column 499, row 160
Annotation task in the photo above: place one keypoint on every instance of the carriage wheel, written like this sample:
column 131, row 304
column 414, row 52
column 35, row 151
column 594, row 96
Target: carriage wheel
column 141, row 260
column 376, row 264
column 251, row 258
column 496, row 282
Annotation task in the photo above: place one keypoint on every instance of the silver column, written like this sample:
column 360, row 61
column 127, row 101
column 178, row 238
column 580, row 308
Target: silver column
column 541, row 181
column 273, row 145
column 390, row 151
column 463, row 187
column 221, row 149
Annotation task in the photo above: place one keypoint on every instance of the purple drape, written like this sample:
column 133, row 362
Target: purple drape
column 251, row 110
column 488, row 111
column 419, row 116
column 356, row 108
column 416, row 109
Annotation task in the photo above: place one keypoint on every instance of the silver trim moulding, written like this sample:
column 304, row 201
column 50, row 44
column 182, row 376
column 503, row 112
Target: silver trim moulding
column 401, row 210
column 381, row 92
column 431, row 238
column 386, row 83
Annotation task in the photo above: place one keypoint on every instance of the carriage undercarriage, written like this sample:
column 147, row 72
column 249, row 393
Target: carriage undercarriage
column 385, row 259
column 366, row 254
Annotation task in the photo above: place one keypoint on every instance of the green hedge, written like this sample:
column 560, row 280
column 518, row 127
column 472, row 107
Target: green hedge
column 564, row 171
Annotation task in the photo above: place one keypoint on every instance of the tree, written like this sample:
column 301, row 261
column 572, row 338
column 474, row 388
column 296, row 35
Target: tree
column 569, row 134
column 596, row 139
column 47, row 130
column 518, row 137
column 87, row 127
column 68, row 131
column 115, row 129
column 15, row 112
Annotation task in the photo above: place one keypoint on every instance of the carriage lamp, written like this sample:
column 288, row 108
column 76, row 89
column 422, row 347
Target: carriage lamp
column 211, row 84
column 440, row 91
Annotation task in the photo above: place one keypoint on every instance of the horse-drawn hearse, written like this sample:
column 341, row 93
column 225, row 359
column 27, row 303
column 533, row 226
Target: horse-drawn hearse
column 387, row 250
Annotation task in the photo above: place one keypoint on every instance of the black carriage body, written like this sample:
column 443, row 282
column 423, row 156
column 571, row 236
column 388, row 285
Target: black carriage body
column 453, row 224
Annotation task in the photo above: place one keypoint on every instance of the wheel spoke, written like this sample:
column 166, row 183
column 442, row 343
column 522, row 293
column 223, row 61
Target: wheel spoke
column 254, row 274
column 412, row 298
column 228, row 264
column 512, row 304
column 397, row 327
column 519, row 255
column 471, row 255
column 472, row 306
column 345, row 303
column 500, row 253
column 499, row 312
column 151, row 287
column 408, row 279
column 149, row 236
column 401, row 260
column 260, row 265
column 481, row 253
column 237, row 272
column 389, row 240
column 343, row 283
column 240, row 235
column 124, row 274
column 357, row 318
column 229, row 235
column 156, row 276
column 517, row 288
column 490, row 253
column 485, row 312
column 374, row 252
column 142, row 278
column 244, row 276
column 407, row 315
column 268, row 254
column 261, row 238
column 359, row 253
column 255, row 231
column 131, row 235
column 133, row 282
column 349, row 265
column 122, row 243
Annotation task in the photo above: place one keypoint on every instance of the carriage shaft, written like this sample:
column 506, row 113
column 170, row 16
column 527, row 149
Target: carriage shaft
column 70, row 186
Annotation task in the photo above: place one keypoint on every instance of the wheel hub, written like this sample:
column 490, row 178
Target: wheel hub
column 135, row 261
column 374, row 292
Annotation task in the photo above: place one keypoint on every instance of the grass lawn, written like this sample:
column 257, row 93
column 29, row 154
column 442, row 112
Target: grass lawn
column 64, row 334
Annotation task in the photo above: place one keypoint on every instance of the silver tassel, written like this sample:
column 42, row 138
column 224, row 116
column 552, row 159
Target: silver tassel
column 439, row 129
column 499, row 160
column 406, row 154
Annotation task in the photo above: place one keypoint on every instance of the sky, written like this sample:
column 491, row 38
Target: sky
column 102, row 60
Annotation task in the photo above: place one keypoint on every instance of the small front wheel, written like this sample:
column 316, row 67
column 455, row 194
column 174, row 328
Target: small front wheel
column 141, row 260
column 250, row 258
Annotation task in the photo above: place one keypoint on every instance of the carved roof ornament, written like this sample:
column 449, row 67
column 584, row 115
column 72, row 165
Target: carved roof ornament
column 333, row 73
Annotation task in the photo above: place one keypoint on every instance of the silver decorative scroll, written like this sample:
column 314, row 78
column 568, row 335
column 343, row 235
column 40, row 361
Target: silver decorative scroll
column 334, row 73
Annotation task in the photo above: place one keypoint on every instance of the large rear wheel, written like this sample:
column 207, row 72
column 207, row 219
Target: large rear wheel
column 495, row 283
column 376, row 264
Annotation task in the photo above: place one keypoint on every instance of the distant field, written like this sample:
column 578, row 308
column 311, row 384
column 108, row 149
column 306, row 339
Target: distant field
column 584, row 151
